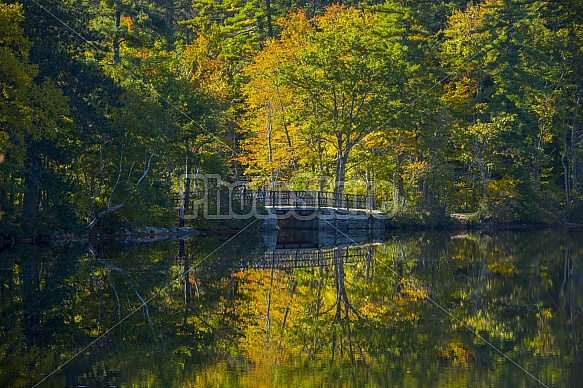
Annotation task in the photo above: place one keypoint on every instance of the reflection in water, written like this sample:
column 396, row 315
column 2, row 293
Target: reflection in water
column 287, row 259
column 324, row 239
column 342, row 315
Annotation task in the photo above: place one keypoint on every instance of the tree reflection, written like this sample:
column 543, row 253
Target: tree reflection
column 345, row 314
column 342, row 302
column 354, row 316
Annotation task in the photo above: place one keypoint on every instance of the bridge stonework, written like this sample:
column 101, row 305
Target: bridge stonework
column 323, row 219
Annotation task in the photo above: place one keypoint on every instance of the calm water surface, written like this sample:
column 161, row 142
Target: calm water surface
column 424, row 309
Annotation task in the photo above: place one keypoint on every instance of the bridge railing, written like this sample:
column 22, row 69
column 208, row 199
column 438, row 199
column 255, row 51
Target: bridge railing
column 277, row 198
column 315, row 199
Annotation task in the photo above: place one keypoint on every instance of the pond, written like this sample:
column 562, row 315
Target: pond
column 483, row 308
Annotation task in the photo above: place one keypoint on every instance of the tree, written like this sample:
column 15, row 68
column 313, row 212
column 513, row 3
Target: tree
column 118, row 152
column 273, row 142
column 347, row 75
column 34, row 127
column 563, row 38
column 496, row 82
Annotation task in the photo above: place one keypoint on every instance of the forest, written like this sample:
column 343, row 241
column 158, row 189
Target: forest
column 429, row 107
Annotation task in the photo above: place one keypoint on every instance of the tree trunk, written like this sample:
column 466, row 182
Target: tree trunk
column 339, row 179
column 369, row 190
column 31, row 187
column 268, row 302
column 321, row 178
column 314, row 8
column 268, row 15
column 574, row 140
column 116, row 39
column 269, row 148
column 288, row 137
column 187, row 182
column 397, row 182
column 564, row 162
column 483, row 176
column 111, row 209
column 234, row 157
column 340, row 171
column 342, row 301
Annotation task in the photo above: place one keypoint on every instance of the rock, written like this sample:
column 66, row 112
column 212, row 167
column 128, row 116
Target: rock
column 153, row 230
column 189, row 231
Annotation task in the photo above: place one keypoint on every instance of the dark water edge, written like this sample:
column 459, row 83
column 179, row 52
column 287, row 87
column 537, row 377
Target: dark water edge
column 156, row 233
column 361, row 315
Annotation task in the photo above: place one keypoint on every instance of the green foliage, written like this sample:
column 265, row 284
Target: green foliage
column 575, row 212
column 409, row 215
column 446, row 105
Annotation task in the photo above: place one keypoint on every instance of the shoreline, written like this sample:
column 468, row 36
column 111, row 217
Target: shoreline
column 151, row 233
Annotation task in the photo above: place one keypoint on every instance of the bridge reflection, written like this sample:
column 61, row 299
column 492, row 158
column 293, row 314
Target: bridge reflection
column 289, row 249
column 310, row 258
column 280, row 239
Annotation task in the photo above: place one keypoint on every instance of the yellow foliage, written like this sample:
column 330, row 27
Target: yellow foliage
column 415, row 169
column 127, row 20
column 412, row 290
column 544, row 343
column 501, row 191
column 506, row 269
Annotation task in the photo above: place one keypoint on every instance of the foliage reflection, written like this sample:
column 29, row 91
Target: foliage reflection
column 372, row 315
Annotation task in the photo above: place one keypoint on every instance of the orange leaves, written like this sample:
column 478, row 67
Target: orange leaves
column 127, row 20
column 416, row 169
column 318, row 90
column 272, row 134
column 208, row 70
column 412, row 290
column 295, row 29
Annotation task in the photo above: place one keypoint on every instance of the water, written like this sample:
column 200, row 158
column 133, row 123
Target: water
column 425, row 309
